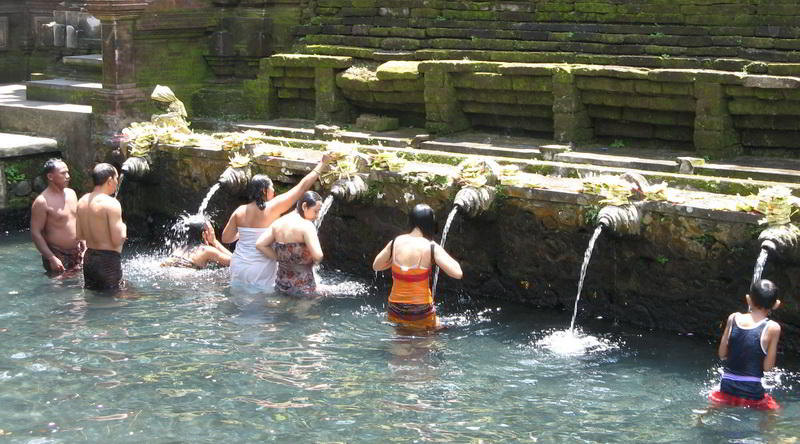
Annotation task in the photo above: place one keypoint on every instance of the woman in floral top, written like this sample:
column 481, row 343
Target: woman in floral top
column 292, row 241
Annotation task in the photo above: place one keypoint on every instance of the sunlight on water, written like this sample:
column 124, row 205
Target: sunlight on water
column 574, row 343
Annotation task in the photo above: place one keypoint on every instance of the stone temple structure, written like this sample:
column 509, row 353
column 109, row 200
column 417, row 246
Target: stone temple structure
column 701, row 95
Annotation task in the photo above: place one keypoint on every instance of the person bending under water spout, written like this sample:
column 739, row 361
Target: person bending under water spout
column 249, row 267
column 292, row 241
column 748, row 347
column 412, row 257
column 100, row 224
column 200, row 247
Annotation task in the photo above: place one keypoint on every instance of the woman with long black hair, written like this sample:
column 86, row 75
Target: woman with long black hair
column 249, row 267
column 412, row 257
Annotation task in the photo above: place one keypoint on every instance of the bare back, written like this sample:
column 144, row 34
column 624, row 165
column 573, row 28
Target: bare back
column 291, row 228
column 412, row 251
column 100, row 222
column 54, row 216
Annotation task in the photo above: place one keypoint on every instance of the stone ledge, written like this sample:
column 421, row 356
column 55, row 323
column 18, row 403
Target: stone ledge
column 14, row 145
column 315, row 61
column 398, row 70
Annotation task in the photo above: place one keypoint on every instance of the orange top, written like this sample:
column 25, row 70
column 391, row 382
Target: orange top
column 410, row 285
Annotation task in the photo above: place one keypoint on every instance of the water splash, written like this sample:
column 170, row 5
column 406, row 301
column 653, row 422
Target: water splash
column 207, row 199
column 761, row 262
column 326, row 205
column 574, row 343
column 586, row 257
column 450, row 218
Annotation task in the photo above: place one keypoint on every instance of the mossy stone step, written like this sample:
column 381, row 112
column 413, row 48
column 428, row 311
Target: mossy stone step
column 62, row 91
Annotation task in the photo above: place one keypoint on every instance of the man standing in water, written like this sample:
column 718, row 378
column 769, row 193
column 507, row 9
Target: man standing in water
column 100, row 224
column 53, row 221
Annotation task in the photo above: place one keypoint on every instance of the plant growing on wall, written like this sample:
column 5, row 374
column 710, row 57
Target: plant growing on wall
column 14, row 175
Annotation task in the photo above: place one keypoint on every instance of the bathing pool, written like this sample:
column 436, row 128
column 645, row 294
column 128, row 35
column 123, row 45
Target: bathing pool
column 186, row 359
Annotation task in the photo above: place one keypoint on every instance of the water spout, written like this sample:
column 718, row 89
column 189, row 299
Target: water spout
column 326, row 205
column 350, row 189
column 234, row 180
column 782, row 241
column 136, row 168
column 207, row 199
column 474, row 201
column 623, row 220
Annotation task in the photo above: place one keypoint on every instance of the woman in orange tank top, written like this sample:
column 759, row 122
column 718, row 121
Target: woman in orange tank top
column 411, row 258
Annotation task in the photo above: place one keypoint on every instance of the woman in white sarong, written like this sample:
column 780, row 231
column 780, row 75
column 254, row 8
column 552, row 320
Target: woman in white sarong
column 249, row 267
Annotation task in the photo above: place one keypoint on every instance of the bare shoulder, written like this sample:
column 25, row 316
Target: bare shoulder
column 71, row 194
column 773, row 326
column 40, row 201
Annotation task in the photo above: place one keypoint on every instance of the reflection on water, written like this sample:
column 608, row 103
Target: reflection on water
column 191, row 360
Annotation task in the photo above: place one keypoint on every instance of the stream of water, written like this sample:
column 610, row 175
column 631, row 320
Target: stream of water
column 446, row 229
column 761, row 262
column 207, row 199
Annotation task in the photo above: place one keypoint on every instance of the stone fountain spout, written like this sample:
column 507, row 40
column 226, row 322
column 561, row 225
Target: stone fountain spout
column 623, row 220
column 474, row 201
column 234, row 180
column 782, row 241
column 350, row 189
column 136, row 168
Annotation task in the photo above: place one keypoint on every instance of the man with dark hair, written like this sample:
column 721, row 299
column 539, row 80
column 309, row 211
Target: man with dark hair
column 53, row 221
column 100, row 224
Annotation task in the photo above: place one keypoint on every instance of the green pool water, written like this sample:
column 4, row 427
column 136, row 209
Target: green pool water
column 185, row 359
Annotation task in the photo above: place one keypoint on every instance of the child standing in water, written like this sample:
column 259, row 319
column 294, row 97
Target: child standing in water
column 748, row 348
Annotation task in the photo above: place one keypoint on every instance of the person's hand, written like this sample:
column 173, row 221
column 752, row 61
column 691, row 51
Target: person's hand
column 327, row 158
column 55, row 264
column 208, row 234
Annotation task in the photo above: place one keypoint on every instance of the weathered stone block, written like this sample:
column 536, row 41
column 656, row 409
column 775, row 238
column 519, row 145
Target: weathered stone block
column 371, row 122
column 407, row 85
column 395, row 70
column 310, row 61
column 399, row 97
column 481, row 80
column 604, row 84
column 530, row 83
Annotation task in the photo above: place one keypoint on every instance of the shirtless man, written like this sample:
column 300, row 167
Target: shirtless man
column 100, row 224
column 53, row 226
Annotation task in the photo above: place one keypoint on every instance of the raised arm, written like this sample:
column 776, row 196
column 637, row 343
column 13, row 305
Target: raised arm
column 447, row 263
column 312, row 241
column 723, row 343
column 284, row 202
column 264, row 244
column 116, row 227
column 383, row 260
column 773, row 335
column 38, row 222
column 230, row 233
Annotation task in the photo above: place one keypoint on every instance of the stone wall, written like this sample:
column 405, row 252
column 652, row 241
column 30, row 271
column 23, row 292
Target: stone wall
column 765, row 30
column 687, row 270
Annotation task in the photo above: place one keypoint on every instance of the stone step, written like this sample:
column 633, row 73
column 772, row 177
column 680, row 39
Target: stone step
column 15, row 145
column 89, row 62
column 62, row 91
column 68, row 123
column 487, row 144
column 304, row 129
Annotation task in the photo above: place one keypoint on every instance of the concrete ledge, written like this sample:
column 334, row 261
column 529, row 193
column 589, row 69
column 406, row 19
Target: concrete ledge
column 305, row 60
column 62, row 91
column 93, row 61
column 14, row 145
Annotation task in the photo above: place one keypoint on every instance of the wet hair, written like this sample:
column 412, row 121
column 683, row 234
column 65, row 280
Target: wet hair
column 423, row 217
column 195, row 227
column 763, row 293
column 310, row 198
column 51, row 164
column 101, row 172
column 255, row 190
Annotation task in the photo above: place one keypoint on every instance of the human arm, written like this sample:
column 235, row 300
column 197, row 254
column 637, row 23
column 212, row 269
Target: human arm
column 383, row 260
column 210, row 239
column 213, row 254
column 773, row 335
column 446, row 262
column 230, row 233
column 723, row 343
column 38, row 222
column 116, row 227
column 264, row 244
column 284, row 202
column 312, row 241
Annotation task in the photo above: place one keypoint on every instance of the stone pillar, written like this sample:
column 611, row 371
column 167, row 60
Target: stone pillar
column 442, row 111
column 331, row 106
column 714, row 133
column 571, row 121
column 117, row 103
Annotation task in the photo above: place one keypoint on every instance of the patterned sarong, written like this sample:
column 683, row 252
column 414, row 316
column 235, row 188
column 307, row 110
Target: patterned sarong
column 721, row 399
column 416, row 316
column 102, row 270
column 70, row 258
